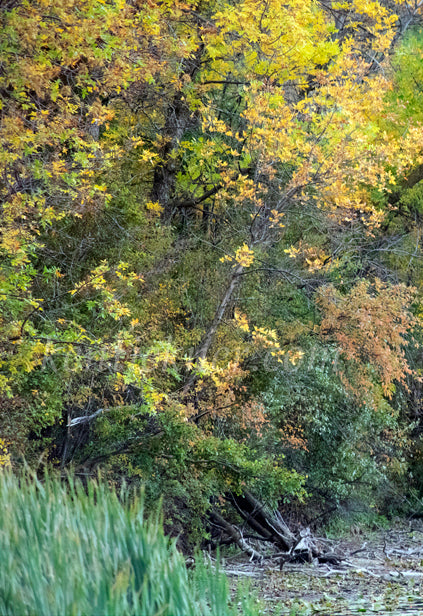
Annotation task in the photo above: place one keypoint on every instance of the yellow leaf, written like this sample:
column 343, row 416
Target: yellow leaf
column 241, row 321
column 244, row 256
column 154, row 207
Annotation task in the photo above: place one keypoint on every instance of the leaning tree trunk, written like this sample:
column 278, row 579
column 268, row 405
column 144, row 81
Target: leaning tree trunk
column 207, row 341
column 267, row 524
column 235, row 534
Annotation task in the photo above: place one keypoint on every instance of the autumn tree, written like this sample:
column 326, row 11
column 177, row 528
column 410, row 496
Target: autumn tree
column 62, row 66
column 182, row 185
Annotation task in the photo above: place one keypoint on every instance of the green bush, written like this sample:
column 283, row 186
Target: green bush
column 73, row 550
column 349, row 453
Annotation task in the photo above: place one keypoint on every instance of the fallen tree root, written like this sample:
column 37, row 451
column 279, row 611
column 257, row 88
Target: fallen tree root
column 271, row 529
column 270, row 525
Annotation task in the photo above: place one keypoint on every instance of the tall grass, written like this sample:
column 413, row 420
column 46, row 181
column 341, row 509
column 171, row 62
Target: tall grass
column 66, row 550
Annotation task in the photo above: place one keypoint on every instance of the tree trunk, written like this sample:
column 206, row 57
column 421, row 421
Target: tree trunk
column 269, row 525
column 235, row 535
column 179, row 118
column 203, row 350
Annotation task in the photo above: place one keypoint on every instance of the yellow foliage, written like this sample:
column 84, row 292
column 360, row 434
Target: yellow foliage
column 241, row 321
column 4, row 455
column 295, row 356
column 244, row 256
column 154, row 208
column 292, row 251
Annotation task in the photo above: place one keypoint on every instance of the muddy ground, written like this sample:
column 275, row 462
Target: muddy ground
column 380, row 572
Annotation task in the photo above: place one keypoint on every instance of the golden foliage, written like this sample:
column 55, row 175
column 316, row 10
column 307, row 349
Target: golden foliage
column 371, row 326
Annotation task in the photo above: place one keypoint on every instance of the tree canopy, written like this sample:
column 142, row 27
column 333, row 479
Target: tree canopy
column 211, row 244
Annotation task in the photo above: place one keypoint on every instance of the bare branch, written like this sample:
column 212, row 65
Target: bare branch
column 87, row 418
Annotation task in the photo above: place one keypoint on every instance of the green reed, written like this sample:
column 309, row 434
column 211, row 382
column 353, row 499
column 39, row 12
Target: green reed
column 69, row 550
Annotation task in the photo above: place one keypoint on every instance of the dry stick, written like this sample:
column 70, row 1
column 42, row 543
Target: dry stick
column 363, row 547
column 253, row 574
column 77, row 421
column 202, row 352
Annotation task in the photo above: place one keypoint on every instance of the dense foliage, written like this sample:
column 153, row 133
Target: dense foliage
column 211, row 247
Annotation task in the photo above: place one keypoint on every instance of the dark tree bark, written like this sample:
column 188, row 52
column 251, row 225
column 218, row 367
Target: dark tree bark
column 179, row 118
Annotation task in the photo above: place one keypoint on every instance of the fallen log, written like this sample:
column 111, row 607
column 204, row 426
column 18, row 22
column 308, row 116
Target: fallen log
column 270, row 528
column 236, row 535
column 269, row 524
